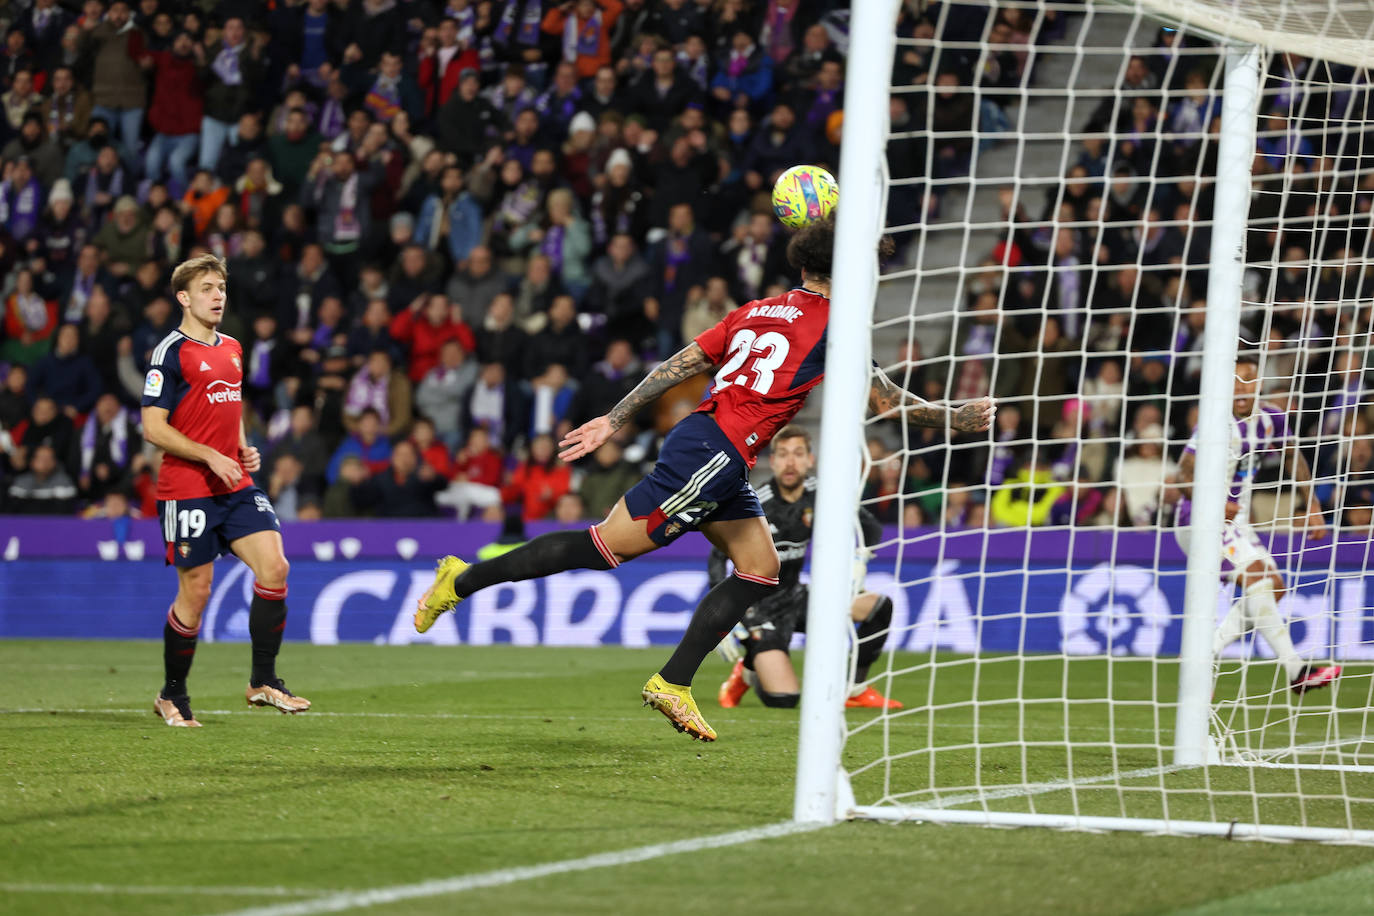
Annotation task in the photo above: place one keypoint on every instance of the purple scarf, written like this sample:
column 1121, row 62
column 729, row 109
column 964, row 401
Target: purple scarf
column 226, row 66
column 20, row 208
column 530, row 14
column 553, row 247
column 119, row 440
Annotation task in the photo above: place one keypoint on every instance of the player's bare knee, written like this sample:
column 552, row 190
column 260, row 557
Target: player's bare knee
column 273, row 573
column 193, row 596
column 763, row 566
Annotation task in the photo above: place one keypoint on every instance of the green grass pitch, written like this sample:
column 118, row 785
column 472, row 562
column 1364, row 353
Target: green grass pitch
column 422, row 762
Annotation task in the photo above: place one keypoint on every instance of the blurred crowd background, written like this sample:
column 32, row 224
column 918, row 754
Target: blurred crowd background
column 457, row 228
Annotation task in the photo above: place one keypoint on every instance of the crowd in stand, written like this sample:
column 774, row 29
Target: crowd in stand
column 1085, row 320
column 454, row 229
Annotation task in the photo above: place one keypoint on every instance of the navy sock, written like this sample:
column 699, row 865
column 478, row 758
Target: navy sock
column 266, row 623
column 547, row 554
column 178, row 651
column 872, row 637
column 719, row 611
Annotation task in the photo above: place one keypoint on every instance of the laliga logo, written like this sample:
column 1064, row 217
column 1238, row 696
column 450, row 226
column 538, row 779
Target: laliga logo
column 1114, row 610
column 229, row 393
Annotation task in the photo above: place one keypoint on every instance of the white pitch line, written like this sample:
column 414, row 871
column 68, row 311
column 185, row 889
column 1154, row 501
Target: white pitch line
column 316, row 714
column 1051, row 785
column 349, row 900
column 155, row 890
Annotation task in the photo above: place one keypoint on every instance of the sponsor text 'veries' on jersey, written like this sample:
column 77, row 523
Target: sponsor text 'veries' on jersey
column 201, row 387
column 771, row 353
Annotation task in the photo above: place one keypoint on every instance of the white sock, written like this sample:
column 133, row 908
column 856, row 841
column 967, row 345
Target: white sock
column 857, row 689
column 1231, row 629
column 750, row 678
column 1263, row 611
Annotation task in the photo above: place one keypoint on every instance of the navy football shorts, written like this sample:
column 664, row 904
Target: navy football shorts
column 699, row 477
column 199, row 531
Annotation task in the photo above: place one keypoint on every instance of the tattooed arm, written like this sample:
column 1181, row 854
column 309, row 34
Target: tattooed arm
column 587, row 438
column 885, row 398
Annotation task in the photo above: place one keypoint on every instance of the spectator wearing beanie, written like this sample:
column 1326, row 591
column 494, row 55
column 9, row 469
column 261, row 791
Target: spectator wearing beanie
column 467, row 123
column 176, row 111
column 60, row 233
column 119, row 88
column 124, row 237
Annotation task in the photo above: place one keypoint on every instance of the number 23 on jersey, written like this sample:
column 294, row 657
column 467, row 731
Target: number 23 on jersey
column 769, row 351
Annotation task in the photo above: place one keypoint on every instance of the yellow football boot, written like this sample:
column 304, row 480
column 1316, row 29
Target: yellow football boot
column 677, row 704
column 439, row 597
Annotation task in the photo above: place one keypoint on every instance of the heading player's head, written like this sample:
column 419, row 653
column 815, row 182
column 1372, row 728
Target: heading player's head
column 791, row 458
column 200, row 285
column 1247, row 386
column 812, row 250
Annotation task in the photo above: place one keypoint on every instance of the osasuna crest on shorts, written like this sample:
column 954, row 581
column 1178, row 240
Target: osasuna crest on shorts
column 201, row 387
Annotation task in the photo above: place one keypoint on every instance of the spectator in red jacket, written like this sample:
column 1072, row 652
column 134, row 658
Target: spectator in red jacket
column 476, row 478
column 443, row 58
column 538, row 481
column 585, row 31
column 424, row 327
column 176, row 110
column 431, row 451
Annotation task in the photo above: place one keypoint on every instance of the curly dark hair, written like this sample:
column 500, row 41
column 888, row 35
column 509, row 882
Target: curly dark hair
column 812, row 249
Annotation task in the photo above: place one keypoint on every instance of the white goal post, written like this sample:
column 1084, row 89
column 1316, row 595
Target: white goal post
column 1142, row 727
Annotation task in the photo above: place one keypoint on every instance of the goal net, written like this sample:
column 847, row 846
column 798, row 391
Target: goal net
column 1099, row 208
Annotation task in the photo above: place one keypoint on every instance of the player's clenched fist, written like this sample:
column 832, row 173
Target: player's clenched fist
column 250, row 458
column 225, row 468
column 975, row 416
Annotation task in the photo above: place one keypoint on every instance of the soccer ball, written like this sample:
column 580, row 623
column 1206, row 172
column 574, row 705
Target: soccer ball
column 804, row 193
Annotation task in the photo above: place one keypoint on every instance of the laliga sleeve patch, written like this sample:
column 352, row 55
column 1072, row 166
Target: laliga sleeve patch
column 152, row 385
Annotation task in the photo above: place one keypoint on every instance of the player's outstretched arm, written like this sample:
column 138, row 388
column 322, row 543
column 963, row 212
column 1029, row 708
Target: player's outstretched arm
column 587, row 438
column 159, row 432
column 885, row 398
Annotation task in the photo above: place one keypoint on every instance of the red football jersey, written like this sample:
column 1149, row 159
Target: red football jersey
column 201, row 386
column 773, row 353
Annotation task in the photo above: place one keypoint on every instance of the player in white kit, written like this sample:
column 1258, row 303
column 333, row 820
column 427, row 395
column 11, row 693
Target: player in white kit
column 1257, row 430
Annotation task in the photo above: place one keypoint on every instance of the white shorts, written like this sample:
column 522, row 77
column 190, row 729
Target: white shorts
column 1240, row 548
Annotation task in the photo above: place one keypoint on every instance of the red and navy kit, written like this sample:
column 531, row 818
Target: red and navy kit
column 201, row 388
column 773, row 354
